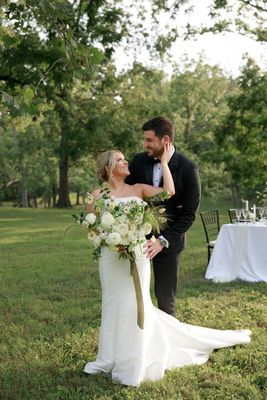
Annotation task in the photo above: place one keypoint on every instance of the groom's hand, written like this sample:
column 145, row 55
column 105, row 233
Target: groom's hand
column 152, row 248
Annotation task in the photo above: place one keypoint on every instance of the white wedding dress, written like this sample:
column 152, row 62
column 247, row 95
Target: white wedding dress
column 133, row 355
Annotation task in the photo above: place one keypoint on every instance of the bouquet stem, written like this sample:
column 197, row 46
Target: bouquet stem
column 138, row 292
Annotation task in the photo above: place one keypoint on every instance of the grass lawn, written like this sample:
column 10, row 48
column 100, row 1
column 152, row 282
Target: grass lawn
column 50, row 315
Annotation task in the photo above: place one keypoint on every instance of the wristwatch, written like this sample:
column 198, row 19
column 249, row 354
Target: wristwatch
column 163, row 242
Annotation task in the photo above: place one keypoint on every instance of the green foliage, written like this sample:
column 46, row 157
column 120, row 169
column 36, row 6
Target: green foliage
column 197, row 99
column 262, row 196
column 242, row 135
column 46, row 49
column 245, row 17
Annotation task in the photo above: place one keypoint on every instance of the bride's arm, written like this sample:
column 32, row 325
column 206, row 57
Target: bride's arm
column 168, row 184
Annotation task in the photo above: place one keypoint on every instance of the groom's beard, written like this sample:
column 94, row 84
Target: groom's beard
column 155, row 153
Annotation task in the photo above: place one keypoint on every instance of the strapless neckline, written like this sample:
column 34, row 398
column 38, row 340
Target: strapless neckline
column 128, row 197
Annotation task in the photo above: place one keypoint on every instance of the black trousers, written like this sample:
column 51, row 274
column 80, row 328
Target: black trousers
column 165, row 267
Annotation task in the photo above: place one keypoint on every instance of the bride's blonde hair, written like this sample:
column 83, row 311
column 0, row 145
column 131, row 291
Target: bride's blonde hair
column 106, row 163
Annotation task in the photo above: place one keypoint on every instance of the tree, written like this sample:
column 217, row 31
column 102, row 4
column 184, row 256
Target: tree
column 28, row 163
column 141, row 94
column 242, row 137
column 83, row 177
column 197, row 100
column 51, row 45
column 247, row 17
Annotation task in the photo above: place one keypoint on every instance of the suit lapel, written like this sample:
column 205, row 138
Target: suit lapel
column 173, row 165
column 149, row 173
column 174, row 161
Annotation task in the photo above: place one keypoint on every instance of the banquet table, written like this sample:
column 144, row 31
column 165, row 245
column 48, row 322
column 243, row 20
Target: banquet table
column 240, row 252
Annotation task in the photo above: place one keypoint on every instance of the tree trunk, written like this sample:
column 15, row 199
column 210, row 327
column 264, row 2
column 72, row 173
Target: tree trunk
column 77, row 198
column 235, row 195
column 24, row 191
column 24, row 196
column 54, row 195
column 187, row 123
column 64, row 200
column 34, row 202
column 48, row 202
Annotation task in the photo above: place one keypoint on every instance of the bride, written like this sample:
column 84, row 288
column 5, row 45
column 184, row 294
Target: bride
column 133, row 355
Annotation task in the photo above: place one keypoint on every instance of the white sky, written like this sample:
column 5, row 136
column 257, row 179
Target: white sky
column 225, row 50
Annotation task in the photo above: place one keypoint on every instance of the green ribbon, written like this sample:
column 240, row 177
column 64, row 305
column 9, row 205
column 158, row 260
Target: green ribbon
column 138, row 291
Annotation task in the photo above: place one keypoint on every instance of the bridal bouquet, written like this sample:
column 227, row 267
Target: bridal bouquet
column 121, row 227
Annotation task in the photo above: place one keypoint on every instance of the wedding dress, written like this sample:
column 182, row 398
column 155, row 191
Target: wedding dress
column 133, row 355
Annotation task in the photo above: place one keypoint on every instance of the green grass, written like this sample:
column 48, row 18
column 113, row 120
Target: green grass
column 50, row 314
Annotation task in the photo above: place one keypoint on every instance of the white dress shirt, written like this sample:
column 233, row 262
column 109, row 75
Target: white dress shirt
column 157, row 172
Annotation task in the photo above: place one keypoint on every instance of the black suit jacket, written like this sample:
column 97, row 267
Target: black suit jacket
column 182, row 207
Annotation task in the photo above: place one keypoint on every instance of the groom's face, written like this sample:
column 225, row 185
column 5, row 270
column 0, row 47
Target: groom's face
column 153, row 145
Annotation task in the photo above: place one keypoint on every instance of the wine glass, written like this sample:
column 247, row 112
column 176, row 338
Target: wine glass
column 238, row 213
column 245, row 214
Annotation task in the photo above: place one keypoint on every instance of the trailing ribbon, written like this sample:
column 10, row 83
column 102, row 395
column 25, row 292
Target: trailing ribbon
column 138, row 291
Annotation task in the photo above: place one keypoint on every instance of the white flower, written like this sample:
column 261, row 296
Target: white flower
column 127, row 209
column 146, row 228
column 111, row 205
column 90, row 218
column 122, row 229
column 122, row 219
column 91, row 235
column 113, row 238
column 107, row 220
column 132, row 235
column 84, row 223
column 97, row 241
column 125, row 241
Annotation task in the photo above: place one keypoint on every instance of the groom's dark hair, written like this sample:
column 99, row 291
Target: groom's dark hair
column 161, row 126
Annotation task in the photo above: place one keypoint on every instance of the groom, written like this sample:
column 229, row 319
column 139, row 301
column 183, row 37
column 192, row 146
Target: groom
column 181, row 208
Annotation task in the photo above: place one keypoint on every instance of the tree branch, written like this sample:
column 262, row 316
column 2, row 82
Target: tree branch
column 79, row 14
column 248, row 3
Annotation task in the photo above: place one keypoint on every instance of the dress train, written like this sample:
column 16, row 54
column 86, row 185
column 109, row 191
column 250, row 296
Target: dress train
column 133, row 355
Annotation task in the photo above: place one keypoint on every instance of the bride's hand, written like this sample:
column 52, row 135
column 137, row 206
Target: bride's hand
column 167, row 154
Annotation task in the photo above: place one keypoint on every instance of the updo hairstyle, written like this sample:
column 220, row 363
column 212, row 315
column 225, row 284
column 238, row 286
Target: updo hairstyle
column 106, row 163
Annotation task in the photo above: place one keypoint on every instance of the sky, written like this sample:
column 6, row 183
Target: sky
column 225, row 50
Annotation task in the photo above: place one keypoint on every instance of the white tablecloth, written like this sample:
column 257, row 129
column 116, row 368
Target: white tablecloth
column 240, row 253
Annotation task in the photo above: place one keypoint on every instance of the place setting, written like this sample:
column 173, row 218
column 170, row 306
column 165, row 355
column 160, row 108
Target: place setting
column 250, row 215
